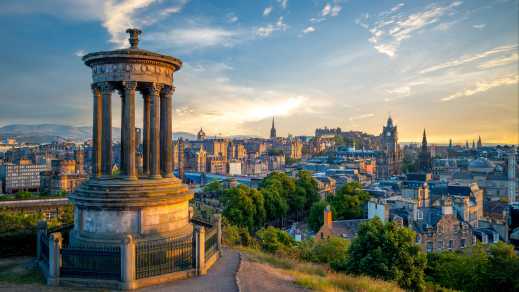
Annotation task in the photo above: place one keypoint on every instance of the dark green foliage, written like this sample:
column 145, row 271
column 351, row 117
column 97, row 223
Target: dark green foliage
column 492, row 268
column 324, row 251
column 315, row 217
column 275, row 240
column 349, row 201
column 386, row 251
column 244, row 207
column 307, row 188
column 215, row 188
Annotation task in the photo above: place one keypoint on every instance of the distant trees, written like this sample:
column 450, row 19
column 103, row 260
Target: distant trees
column 482, row 268
column 349, row 202
column 278, row 196
column 386, row 251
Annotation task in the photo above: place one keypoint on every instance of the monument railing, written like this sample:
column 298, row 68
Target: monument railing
column 131, row 264
column 211, row 241
column 164, row 256
column 98, row 263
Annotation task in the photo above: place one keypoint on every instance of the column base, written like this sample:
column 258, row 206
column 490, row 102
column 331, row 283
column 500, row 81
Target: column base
column 155, row 176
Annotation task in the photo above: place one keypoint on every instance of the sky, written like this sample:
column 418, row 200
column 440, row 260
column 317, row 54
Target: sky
column 450, row 67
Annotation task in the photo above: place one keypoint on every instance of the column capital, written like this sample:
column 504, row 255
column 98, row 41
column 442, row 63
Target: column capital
column 105, row 87
column 167, row 91
column 155, row 88
column 129, row 85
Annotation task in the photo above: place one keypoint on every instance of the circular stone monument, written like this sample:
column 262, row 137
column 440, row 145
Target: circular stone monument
column 148, row 205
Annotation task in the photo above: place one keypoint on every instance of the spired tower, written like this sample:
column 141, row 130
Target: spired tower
column 153, row 205
column 273, row 131
column 424, row 157
column 390, row 164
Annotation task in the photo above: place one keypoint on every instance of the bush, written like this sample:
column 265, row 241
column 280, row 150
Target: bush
column 274, row 240
column 325, row 251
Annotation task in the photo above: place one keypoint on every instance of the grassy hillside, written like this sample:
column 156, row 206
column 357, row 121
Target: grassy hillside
column 317, row 277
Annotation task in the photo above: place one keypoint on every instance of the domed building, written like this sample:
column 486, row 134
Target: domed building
column 481, row 165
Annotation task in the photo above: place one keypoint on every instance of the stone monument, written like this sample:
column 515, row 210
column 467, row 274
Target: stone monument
column 148, row 205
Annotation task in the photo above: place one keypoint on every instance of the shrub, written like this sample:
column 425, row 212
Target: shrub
column 275, row 240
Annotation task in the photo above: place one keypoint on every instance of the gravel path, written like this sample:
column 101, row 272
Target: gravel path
column 220, row 278
column 254, row 276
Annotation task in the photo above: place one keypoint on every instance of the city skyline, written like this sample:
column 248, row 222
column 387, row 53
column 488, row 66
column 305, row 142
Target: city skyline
column 449, row 67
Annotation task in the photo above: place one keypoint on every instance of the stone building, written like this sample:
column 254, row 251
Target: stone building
column 439, row 229
column 388, row 164
column 424, row 157
column 21, row 176
column 347, row 229
column 64, row 176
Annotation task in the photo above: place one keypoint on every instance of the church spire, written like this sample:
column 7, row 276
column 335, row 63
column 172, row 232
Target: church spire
column 273, row 130
column 424, row 139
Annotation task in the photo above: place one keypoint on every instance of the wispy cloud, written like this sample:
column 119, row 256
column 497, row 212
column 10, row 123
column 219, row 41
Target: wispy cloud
column 231, row 17
column 479, row 26
column 196, row 37
column 80, row 53
column 308, row 29
column 326, row 9
column 119, row 15
column 401, row 91
column 331, row 9
column 500, row 62
column 470, row 58
column 283, row 3
column 266, row 31
column 267, row 11
column 362, row 116
column 484, row 86
column 393, row 27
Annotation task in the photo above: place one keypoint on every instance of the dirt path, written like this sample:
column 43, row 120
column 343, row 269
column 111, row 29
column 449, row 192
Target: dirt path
column 220, row 278
column 253, row 276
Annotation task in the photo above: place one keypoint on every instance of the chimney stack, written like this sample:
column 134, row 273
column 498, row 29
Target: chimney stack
column 327, row 216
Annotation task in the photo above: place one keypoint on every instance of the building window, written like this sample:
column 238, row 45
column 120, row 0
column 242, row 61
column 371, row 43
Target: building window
column 420, row 214
column 451, row 244
column 462, row 243
column 429, row 246
column 440, row 244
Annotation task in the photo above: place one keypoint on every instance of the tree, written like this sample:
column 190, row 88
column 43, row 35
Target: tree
column 244, row 207
column 275, row 240
column 349, row 201
column 324, row 251
column 387, row 251
column 276, row 205
column 315, row 217
column 215, row 188
column 307, row 188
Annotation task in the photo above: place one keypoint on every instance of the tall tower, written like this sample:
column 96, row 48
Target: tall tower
column 479, row 143
column 424, row 158
column 390, row 163
column 273, row 131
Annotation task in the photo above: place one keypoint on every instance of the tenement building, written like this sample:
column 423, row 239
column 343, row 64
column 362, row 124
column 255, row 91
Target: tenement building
column 131, row 230
column 21, row 176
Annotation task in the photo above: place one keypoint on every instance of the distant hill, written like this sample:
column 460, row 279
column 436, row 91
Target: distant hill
column 47, row 133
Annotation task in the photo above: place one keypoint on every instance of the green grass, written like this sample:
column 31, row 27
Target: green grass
column 317, row 276
column 16, row 271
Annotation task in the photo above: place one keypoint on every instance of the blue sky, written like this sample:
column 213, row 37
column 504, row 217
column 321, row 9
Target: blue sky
column 448, row 66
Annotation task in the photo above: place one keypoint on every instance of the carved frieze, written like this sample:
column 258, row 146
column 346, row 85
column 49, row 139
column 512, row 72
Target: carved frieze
column 144, row 72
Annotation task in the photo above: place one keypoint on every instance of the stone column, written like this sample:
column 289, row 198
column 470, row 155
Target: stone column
column 166, row 132
column 41, row 229
column 128, row 263
column 200, row 249
column 106, row 163
column 146, row 135
column 128, row 144
column 55, row 240
column 122, row 165
column 97, row 131
column 155, row 130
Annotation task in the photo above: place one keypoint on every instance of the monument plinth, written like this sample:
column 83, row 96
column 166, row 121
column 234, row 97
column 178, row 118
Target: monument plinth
column 148, row 205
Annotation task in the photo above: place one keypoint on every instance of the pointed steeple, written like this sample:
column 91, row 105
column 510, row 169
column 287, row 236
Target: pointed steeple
column 424, row 139
column 480, row 144
column 450, row 143
column 273, row 130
